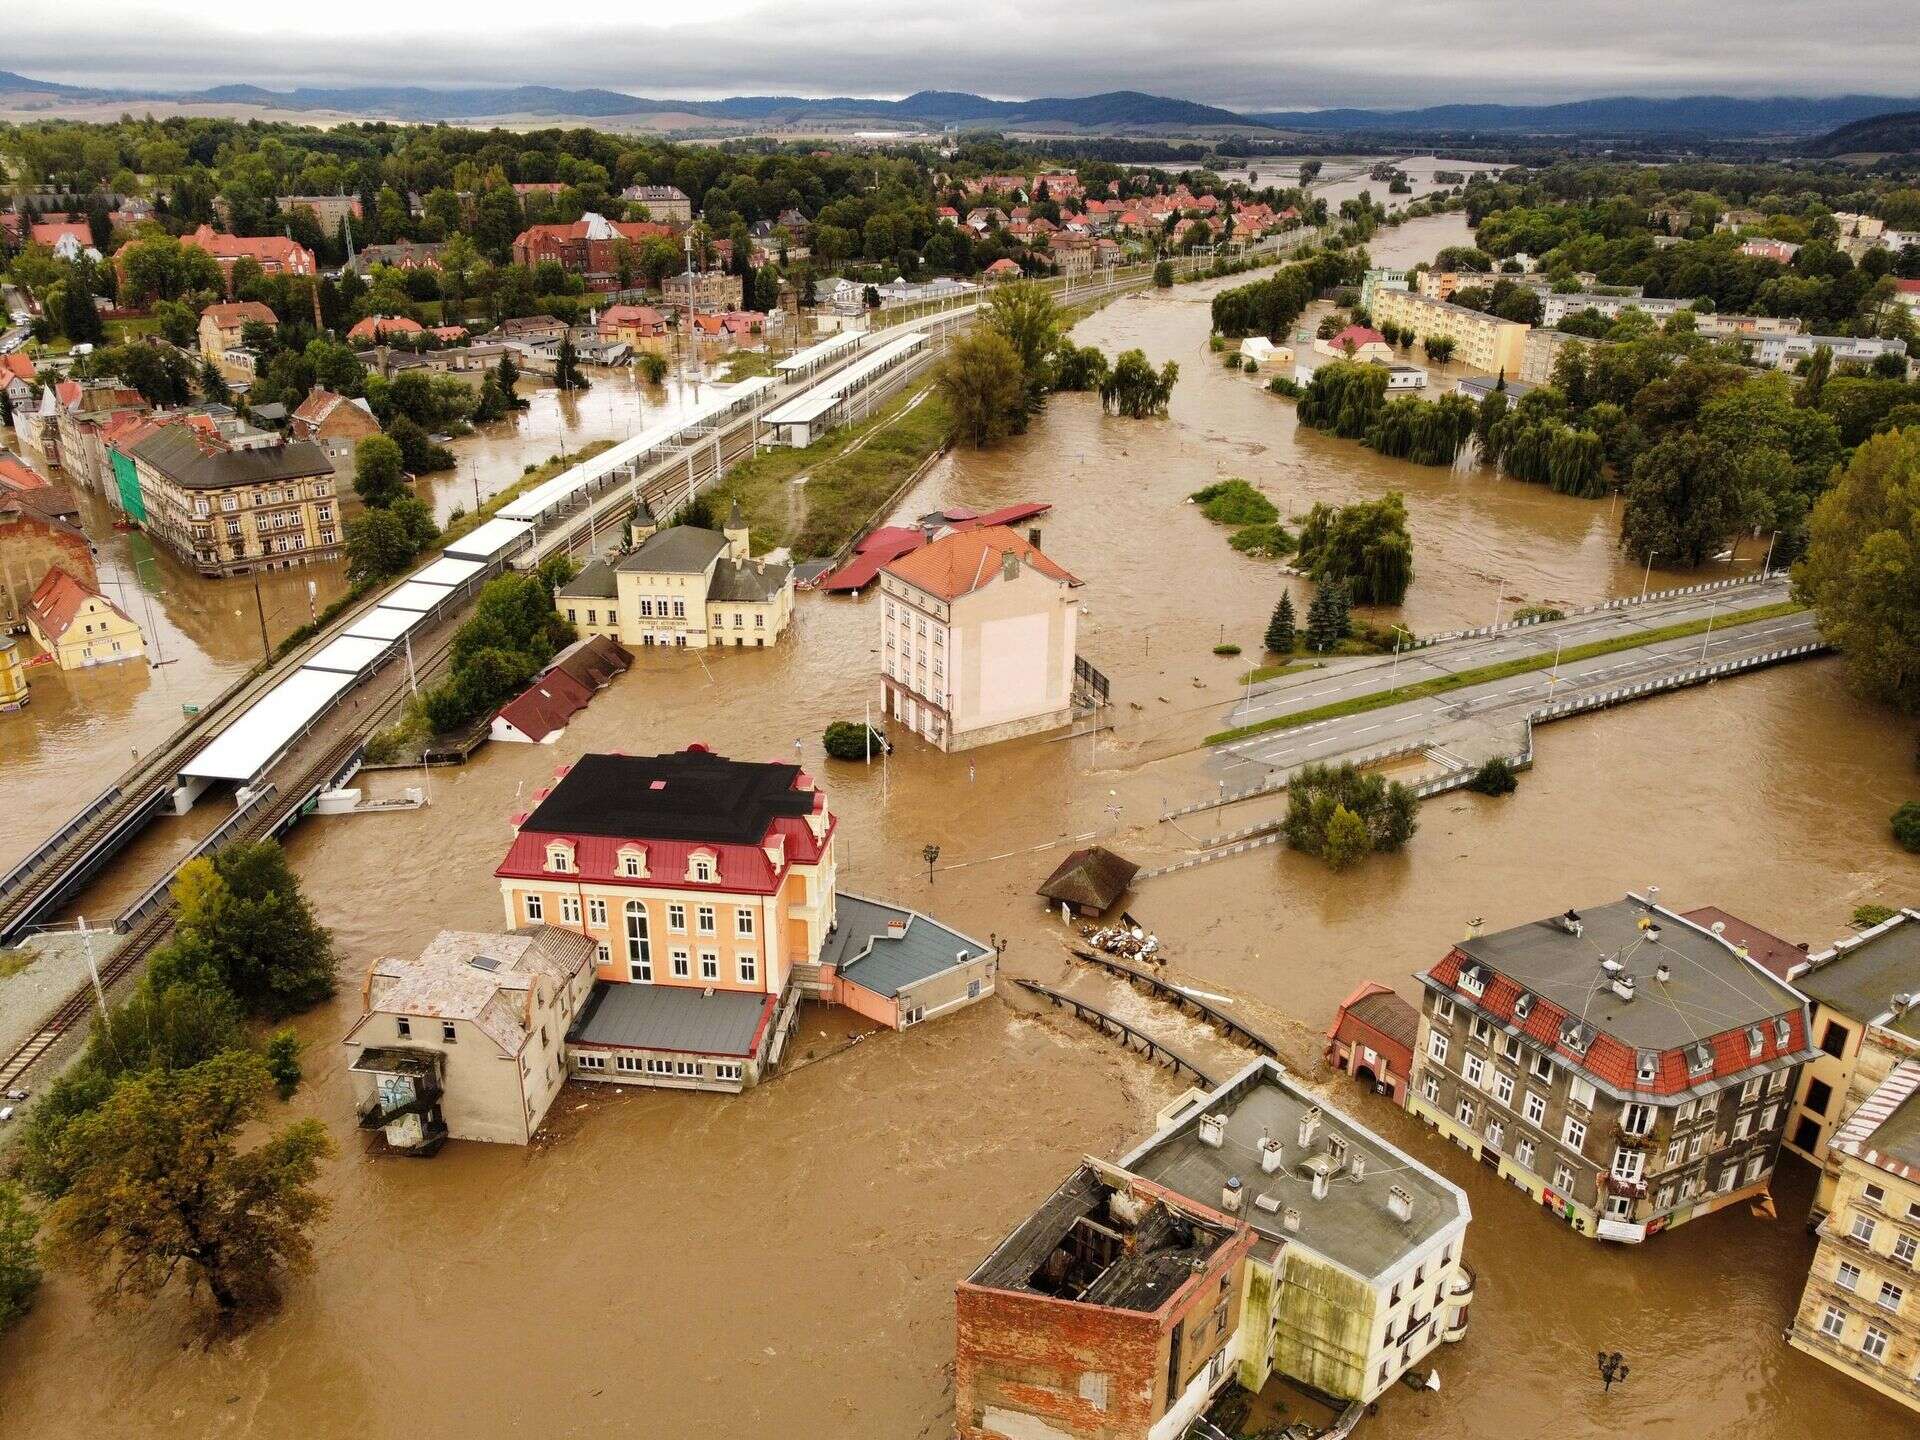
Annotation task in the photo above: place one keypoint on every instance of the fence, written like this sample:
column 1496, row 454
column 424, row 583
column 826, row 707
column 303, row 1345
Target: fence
column 156, row 893
column 1625, row 603
column 17, row 876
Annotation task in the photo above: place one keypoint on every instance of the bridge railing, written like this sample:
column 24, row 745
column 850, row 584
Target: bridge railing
column 151, row 898
column 1601, row 607
column 20, row 873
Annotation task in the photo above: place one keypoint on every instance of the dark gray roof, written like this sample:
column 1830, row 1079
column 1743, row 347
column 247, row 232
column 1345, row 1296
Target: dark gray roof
column 1710, row 988
column 674, row 1017
column 1352, row 1225
column 873, row 959
column 1861, row 980
column 1094, row 877
column 691, row 794
column 177, row 452
column 677, row 550
column 594, row 582
column 642, row 512
column 741, row 581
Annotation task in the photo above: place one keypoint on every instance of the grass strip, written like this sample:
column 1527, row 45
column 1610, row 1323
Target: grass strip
column 1441, row 684
column 1261, row 673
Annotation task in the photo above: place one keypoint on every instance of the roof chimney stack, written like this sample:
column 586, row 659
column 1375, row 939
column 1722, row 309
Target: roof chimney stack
column 1009, row 564
column 1309, row 1124
column 1213, row 1130
column 1473, row 928
column 1230, row 1194
column 1270, row 1154
column 1400, row 1203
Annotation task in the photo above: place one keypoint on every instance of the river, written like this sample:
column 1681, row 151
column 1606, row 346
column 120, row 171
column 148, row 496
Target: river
column 782, row 1263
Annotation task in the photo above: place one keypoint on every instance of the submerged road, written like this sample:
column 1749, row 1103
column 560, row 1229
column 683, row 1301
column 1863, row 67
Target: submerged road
column 1464, row 719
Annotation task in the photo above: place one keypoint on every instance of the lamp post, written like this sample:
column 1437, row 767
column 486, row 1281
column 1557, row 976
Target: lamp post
column 930, row 853
column 1613, row 1366
column 1647, row 579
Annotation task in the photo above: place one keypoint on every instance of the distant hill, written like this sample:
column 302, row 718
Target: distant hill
column 1714, row 115
column 1877, row 134
column 13, row 84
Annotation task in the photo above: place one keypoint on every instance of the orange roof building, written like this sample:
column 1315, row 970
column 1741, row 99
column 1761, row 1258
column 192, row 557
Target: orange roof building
column 78, row 625
column 977, row 635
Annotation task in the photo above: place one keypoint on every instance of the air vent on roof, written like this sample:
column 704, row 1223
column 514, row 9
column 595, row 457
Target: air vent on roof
column 1611, row 965
column 1623, row 986
column 1756, row 1042
column 1663, row 972
column 1230, row 1195
column 1783, row 1032
column 1290, row 1220
column 1213, row 1130
column 484, row 962
column 1570, row 922
column 1902, row 1002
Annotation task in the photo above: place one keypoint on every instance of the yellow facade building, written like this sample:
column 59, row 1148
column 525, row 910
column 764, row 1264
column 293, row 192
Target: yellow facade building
column 1486, row 342
column 79, row 626
column 1860, row 1312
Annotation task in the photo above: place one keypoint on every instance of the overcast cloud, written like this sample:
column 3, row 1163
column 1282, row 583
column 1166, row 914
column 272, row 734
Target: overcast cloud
column 1243, row 54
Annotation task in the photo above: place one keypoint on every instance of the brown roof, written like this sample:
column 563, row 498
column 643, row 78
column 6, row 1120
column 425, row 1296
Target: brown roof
column 228, row 314
column 1093, row 877
column 958, row 564
column 57, row 600
column 1382, row 1009
column 52, row 505
column 1770, row 952
column 546, row 705
column 593, row 661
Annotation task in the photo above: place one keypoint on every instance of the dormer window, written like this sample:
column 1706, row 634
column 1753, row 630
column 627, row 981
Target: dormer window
column 1473, row 979
column 560, row 857
column 1699, row 1057
column 700, row 867
column 633, row 862
column 1782, row 1032
column 1756, row 1042
column 1649, row 1065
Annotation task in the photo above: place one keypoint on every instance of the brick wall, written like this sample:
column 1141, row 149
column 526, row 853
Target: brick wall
column 1086, row 1371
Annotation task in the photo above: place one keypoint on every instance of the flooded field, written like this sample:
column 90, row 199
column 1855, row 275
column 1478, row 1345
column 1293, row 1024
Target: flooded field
column 781, row 1263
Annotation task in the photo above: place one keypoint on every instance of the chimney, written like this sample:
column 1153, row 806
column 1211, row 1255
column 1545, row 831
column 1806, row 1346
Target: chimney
column 1336, row 1149
column 1309, row 1123
column 1213, row 1130
column 1473, row 928
column 1033, row 536
column 1009, row 564
column 1623, row 986
column 1663, row 972
column 1357, row 1166
column 1319, row 1184
column 1400, row 1203
column 896, row 926
column 1290, row 1220
column 1270, row 1154
column 1230, row 1195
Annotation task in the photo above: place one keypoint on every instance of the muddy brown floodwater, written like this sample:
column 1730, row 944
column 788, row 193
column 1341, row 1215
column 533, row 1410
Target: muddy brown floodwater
column 781, row 1263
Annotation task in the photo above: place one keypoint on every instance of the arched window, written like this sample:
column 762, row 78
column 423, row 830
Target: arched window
column 639, row 945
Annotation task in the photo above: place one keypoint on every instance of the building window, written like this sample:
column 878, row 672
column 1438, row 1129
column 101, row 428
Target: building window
column 569, row 910
column 558, row 859
column 1890, row 1296
column 1575, row 1133
column 1833, row 1324
column 1819, row 1096
column 603, row 954
column 1904, row 1248
column 1482, row 1031
column 1833, row 1040
column 448, row 1034
column 1629, row 1165
column 709, row 964
column 630, row 866
column 1503, row 1088
column 1876, row 1194
column 1536, row 1108
column 749, row 969
column 1474, row 1068
column 639, row 943
column 703, row 868
column 1430, row 1087
column 628, row 1062
column 1523, row 1151
column 1465, row 1111
column 534, row 910
column 590, row 1062
column 1496, row 1132
column 1750, row 1091
column 1580, row 1092
column 726, row 1070
column 1437, row 1046
column 1443, row 1008
column 677, row 919
column 1862, row 1229
column 596, row 912
column 1541, row 1066
column 1563, row 1178
column 743, row 923
column 1638, row 1119
column 704, row 917
column 403, row 1027
column 1873, row 1344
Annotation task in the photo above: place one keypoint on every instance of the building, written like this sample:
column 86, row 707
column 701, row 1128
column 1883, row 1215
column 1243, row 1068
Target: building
column 667, row 204
column 1626, row 1068
column 1779, row 251
column 591, row 247
column 1401, row 376
column 14, row 693
column 1265, row 354
column 531, row 330
column 78, row 626
column 383, row 330
column 1372, row 1039
column 1541, row 351
column 401, row 255
column 897, row 967
column 1746, row 327
column 1256, row 1233
column 1555, row 308
column 1378, row 279
column 1781, row 352
column 228, row 509
column 1480, row 388
column 977, row 634
column 684, row 586
column 332, row 211
column 335, row 423
column 639, row 326
column 83, row 415
column 702, row 290
column 1355, row 342
column 1444, row 284
column 1859, row 985
column 39, row 532
column 1485, row 342
column 1859, row 1312
column 467, row 1042
column 275, row 254
column 539, row 714
column 706, row 885
column 1089, row 882
column 222, row 325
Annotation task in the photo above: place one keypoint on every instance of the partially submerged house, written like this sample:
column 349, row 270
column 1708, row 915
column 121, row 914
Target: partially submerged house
column 1090, row 881
column 898, row 967
column 540, row 713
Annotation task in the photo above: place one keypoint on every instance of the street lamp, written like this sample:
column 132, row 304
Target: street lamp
column 1613, row 1366
column 1400, row 632
column 1647, row 579
column 930, row 853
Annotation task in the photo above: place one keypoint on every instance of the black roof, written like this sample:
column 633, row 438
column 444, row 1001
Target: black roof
column 177, row 452
column 677, row 550
column 688, row 795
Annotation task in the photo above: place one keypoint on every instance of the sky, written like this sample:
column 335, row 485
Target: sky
column 1242, row 54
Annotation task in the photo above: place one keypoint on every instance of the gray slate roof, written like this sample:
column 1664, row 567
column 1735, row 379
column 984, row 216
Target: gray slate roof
column 677, row 550
column 177, row 452
column 1861, row 981
column 733, row 580
column 679, row 1018
column 594, row 582
column 866, row 954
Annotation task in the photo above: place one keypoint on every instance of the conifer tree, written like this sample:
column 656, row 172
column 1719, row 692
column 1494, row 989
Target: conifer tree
column 1281, row 629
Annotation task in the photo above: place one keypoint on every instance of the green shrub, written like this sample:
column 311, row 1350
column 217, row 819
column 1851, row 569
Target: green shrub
column 1539, row 612
column 1235, row 502
column 1495, row 777
column 1228, row 648
column 1869, row 915
column 1906, row 826
column 1324, row 803
column 1284, row 385
column 1263, row 541
column 852, row 740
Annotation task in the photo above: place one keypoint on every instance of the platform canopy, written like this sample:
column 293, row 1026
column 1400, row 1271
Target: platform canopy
column 490, row 541
column 251, row 743
column 348, row 655
column 383, row 622
column 823, row 350
column 416, row 595
column 449, row 570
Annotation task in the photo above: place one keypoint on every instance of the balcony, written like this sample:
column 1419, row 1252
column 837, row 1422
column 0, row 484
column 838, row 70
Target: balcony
column 1620, row 1185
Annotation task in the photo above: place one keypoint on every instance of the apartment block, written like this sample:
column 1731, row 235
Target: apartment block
column 1486, row 342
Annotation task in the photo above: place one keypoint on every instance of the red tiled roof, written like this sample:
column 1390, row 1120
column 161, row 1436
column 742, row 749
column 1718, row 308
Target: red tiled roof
column 17, row 365
column 53, row 231
column 57, row 600
column 1357, row 336
column 17, row 476
column 374, row 326
column 231, row 313
column 267, row 249
column 1609, row 1059
column 743, row 868
column 546, row 705
column 1383, row 1015
column 959, row 564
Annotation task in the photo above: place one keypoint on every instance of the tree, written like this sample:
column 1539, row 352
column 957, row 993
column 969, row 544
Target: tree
column 19, row 1260
column 1023, row 313
column 566, row 370
column 1281, row 631
column 1342, row 814
column 254, row 930
column 1163, row 274
column 852, row 740
column 382, row 543
column 1439, row 348
column 1078, row 367
column 282, row 1057
column 1494, row 777
column 1683, row 502
column 1344, row 842
column 1364, row 545
column 79, row 317
column 1134, row 389
column 1324, row 630
column 984, row 386
column 379, row 471
column 1861, row 573
column 167, row 1191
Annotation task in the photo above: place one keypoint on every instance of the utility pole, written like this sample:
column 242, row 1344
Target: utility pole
column 260, row 608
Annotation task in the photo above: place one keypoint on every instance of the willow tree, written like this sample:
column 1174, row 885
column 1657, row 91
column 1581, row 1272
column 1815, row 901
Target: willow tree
column 1133, row 388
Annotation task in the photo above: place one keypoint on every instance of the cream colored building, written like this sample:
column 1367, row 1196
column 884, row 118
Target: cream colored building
column 223, row 325
column 1860, row 1311
column 682, row 586
column 977, row 635
column 1485, row 342
column 79, row 626
column 467, row 1042
column 228, row 510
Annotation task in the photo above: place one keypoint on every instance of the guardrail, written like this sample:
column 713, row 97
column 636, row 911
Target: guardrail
column 1277, row 781
column 17, row 876
column 156, row 893
column 1126, row 1034
column 84, row 866
column 1599, row 608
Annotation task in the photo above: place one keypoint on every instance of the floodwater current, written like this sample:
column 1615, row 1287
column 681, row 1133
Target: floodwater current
column 782, row 1263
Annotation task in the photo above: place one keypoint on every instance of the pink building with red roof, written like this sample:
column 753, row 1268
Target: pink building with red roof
column 1627, row 1067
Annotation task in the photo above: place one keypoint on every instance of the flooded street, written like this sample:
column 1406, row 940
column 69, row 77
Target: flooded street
column 782, row 1263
